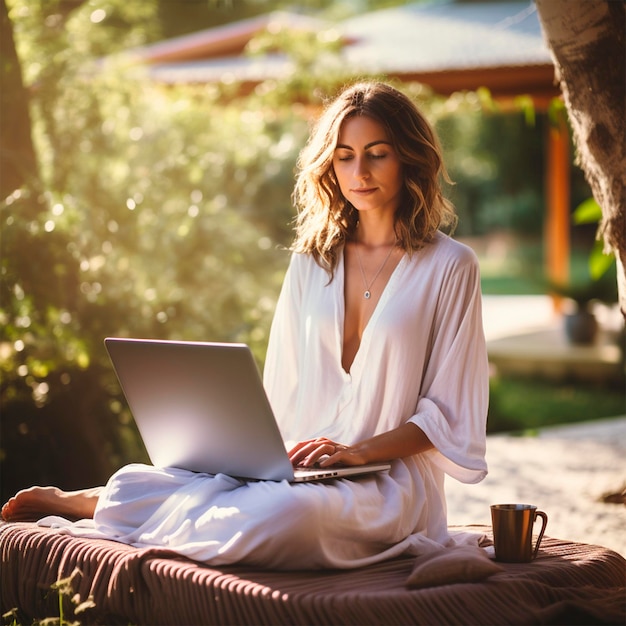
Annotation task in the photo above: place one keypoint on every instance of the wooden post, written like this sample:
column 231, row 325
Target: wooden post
column 558, row 220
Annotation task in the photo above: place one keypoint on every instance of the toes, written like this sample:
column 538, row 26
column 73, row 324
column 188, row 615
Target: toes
column 6, row 512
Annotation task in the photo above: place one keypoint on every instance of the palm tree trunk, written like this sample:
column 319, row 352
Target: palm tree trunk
column 587, row 41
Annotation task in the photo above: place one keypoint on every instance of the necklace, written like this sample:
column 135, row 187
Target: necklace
column 367, row 294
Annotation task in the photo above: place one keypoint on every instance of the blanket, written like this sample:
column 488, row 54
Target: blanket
column 567, row 583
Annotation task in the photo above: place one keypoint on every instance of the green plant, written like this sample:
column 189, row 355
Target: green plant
column 589, row 212
column 11, row 618
column 64, row 588
column 69, row 605
column 585, row 290
column 597, row 281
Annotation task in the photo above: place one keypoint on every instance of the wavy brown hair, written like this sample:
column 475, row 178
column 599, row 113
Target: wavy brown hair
column 326, row 220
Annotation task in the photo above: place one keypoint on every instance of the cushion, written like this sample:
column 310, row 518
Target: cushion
column 459, row 564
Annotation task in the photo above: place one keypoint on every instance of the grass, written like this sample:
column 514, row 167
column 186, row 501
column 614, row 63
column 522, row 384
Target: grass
column 526, row 404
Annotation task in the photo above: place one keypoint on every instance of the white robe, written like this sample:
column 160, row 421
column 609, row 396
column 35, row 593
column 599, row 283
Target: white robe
column 422, row 359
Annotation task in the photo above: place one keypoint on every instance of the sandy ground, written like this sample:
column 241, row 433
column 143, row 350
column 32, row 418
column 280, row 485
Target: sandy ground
column 564, row 471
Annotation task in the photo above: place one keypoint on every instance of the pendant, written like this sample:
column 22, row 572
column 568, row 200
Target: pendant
column 367, row 295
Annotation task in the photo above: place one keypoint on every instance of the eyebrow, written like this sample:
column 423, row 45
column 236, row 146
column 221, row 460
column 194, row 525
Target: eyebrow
column 367, row 147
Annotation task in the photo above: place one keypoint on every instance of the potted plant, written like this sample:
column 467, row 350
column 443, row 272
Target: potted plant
column 581, row 325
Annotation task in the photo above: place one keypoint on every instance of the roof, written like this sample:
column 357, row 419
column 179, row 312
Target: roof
column 447, row 45
column 446, row 35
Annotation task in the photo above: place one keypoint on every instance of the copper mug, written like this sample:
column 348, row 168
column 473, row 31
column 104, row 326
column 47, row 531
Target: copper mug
column 513, row 531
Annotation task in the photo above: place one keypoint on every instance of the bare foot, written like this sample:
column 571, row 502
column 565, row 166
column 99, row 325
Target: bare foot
column 36, row 502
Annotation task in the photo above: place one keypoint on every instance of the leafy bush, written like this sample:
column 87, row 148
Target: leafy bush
column 155, row 213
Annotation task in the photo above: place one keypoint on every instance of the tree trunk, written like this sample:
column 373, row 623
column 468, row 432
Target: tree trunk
column 18, row 162
column 587, row 42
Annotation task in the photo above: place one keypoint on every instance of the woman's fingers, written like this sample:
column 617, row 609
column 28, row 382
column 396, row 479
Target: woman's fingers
column 325, row 453
column 309, row 452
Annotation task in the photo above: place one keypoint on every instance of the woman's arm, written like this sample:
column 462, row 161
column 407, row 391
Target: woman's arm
column 404, row 441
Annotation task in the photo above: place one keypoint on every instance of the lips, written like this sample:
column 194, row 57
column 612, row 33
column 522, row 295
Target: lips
column 364, row 192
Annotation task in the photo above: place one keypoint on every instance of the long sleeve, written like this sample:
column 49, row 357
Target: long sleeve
column 452, row 409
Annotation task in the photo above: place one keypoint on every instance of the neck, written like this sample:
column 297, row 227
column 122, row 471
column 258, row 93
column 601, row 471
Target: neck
column 379, row 236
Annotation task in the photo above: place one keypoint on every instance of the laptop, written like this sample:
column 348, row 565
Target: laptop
column 201, row 406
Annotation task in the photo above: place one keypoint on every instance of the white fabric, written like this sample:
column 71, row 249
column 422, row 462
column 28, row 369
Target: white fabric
column 422, row 359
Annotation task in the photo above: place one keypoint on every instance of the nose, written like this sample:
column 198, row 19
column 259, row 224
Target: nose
column 361, row 170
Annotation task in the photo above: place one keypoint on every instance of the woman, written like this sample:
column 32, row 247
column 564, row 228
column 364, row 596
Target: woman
column 376, row 352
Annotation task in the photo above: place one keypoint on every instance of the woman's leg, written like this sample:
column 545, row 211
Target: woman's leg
column 36, row 502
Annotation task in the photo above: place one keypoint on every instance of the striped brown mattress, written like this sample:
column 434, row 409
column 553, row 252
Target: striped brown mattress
column 568, row 583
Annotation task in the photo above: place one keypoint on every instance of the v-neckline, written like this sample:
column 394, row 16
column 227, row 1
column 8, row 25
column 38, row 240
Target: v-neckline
column 380, row 304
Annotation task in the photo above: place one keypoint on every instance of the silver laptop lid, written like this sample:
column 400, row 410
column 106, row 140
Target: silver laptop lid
column 200, row 406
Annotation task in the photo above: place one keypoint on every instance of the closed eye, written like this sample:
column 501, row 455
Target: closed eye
column 349, row 157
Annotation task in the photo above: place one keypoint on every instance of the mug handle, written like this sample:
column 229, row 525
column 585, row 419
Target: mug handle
column 544, row 523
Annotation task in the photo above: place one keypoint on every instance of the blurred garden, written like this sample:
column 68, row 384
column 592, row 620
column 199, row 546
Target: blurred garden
column 151, row 211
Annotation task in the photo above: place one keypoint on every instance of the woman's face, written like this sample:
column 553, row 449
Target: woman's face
column 367, row 166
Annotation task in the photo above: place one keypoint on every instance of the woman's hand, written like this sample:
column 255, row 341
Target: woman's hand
column 398, row 443
column 324, row 452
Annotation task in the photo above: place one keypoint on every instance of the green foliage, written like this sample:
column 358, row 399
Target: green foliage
column 498, row 183
column 590, row 212
column 183, row 16
column 314, row 55
column 11, row 618
column 68, row 605
column 155, row 213
column 596, row 277
column 587, row 212
column 64, row 588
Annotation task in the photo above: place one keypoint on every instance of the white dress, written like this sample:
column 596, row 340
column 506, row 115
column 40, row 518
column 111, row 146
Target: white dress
column 422, row 359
